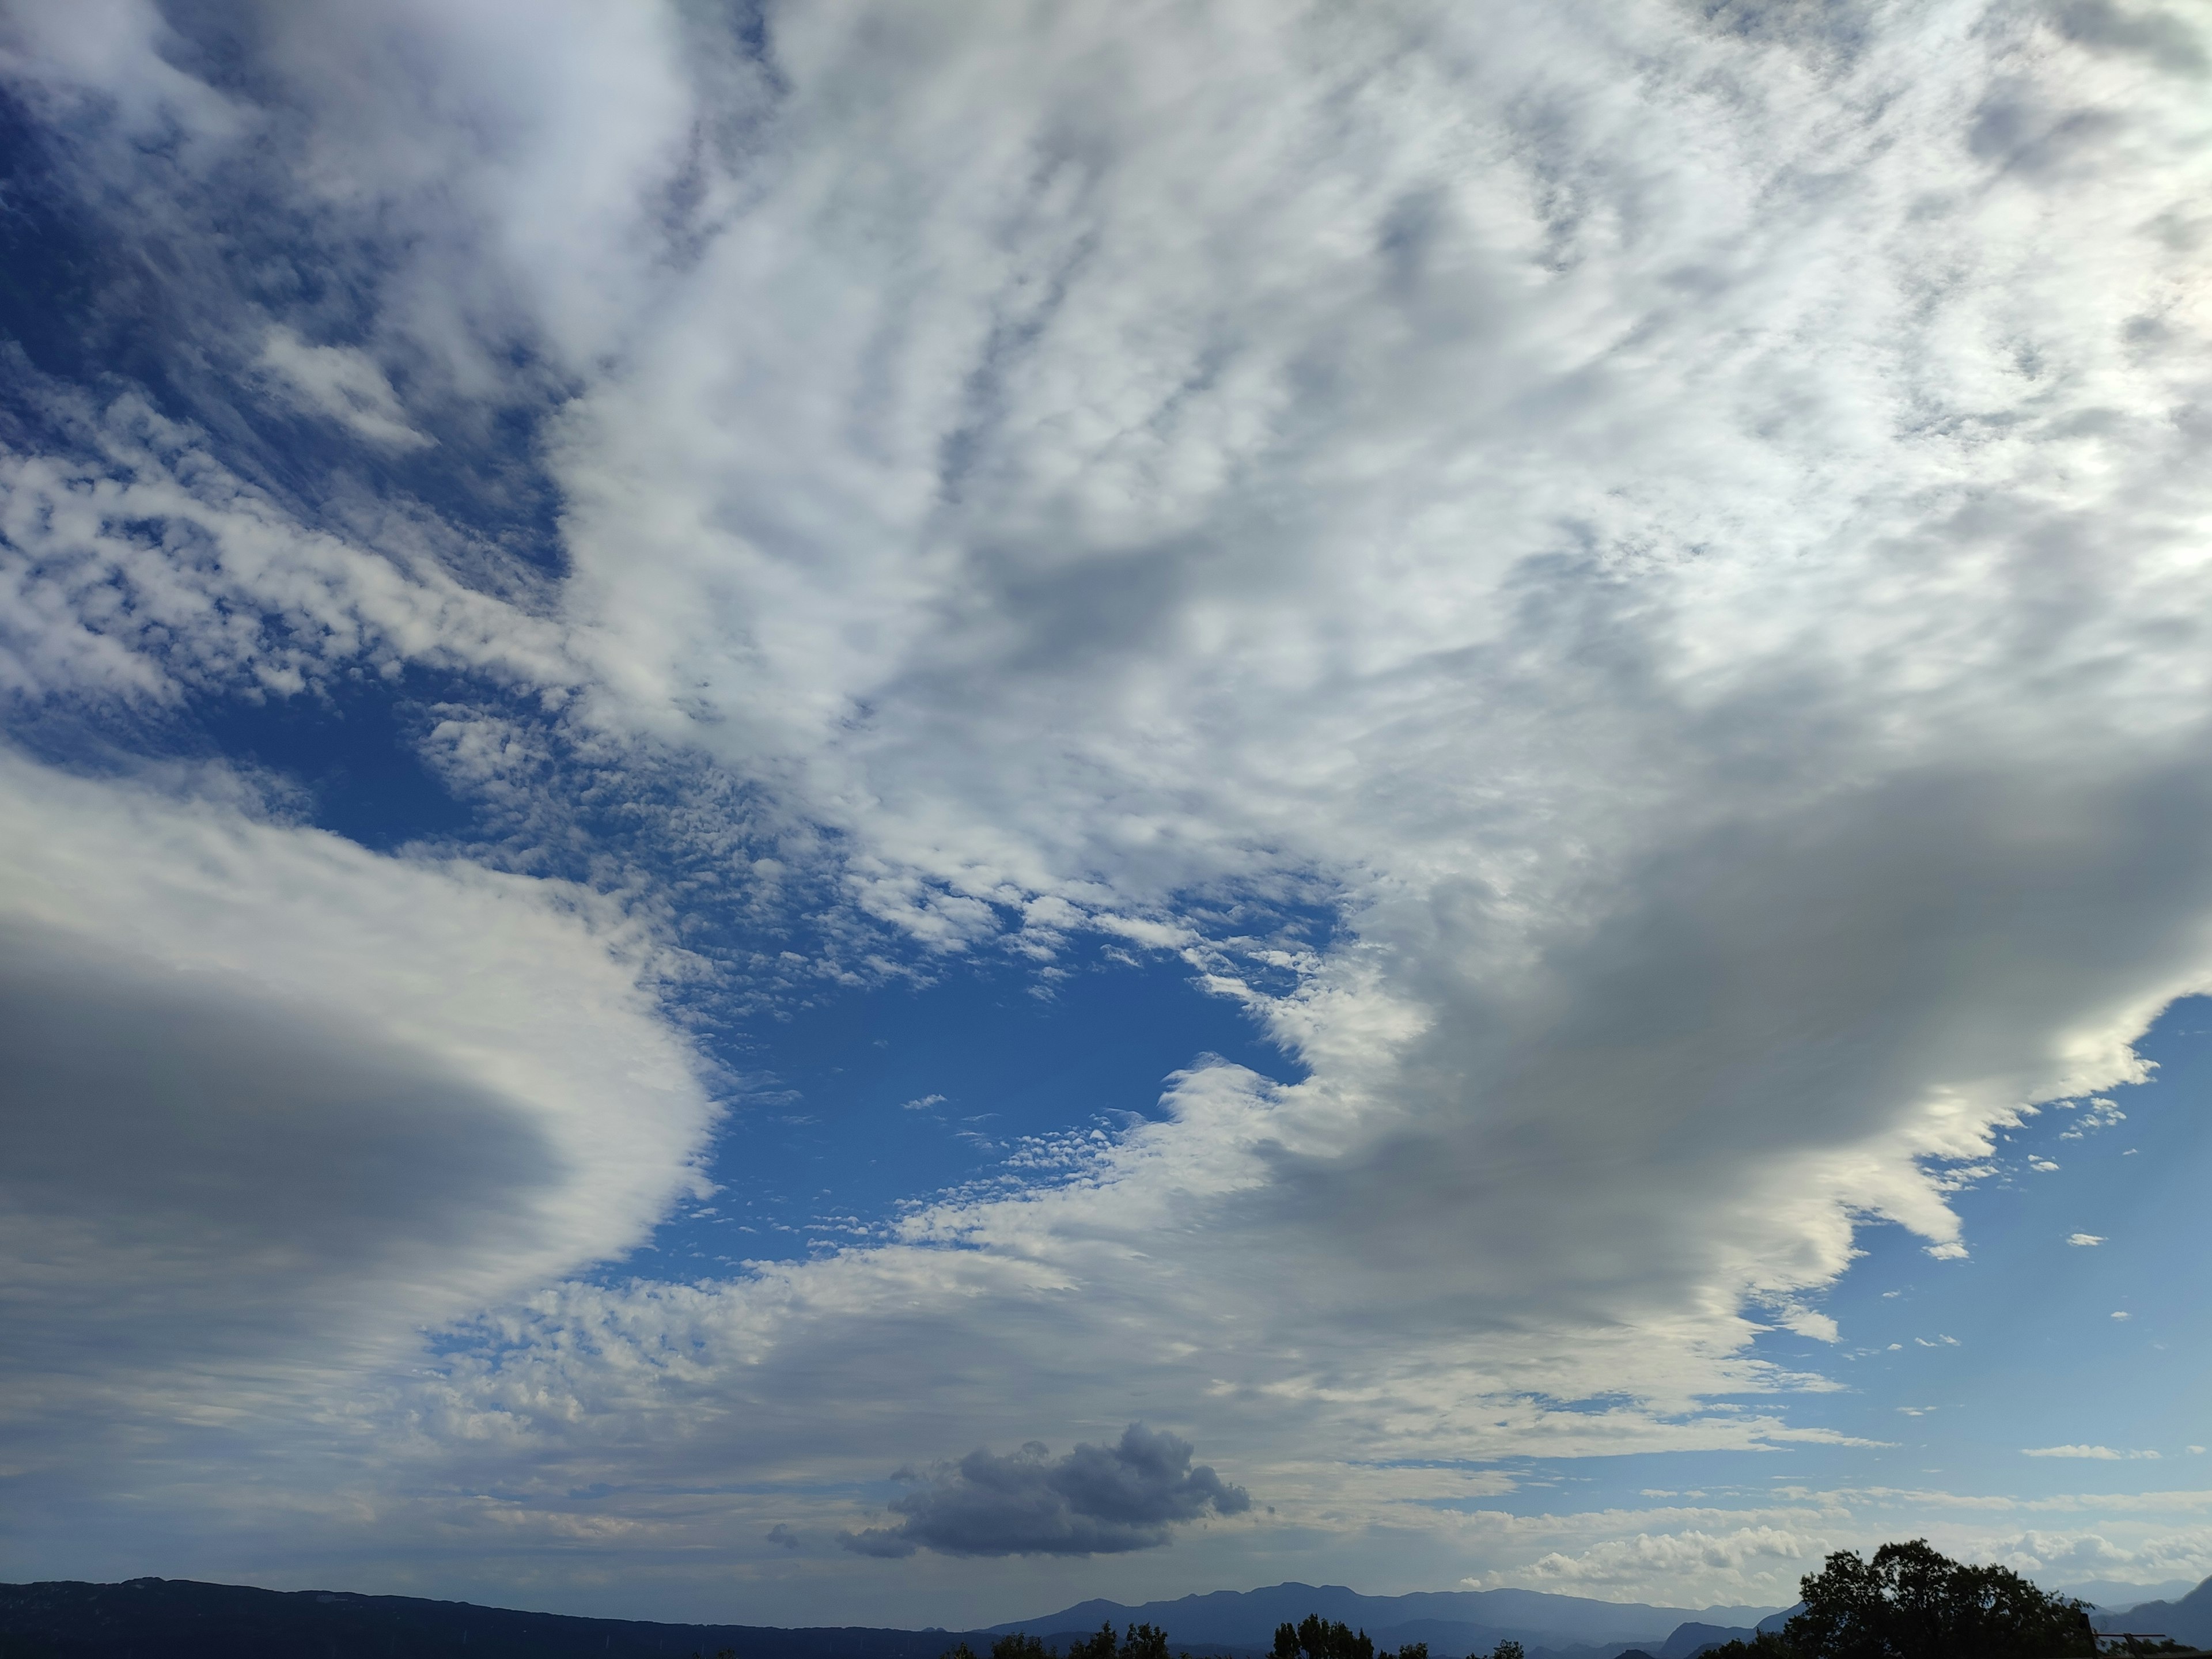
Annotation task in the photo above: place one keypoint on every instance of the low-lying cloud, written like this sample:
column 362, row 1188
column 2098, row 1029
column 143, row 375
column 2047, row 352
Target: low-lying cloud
column 1098, row 1500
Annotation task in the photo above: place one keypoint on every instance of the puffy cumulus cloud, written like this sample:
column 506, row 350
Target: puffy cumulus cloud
column 275, row 1104
column 2063, row 1557
column 1684, row 528
column 1098, row 1500
column 1746, row 1554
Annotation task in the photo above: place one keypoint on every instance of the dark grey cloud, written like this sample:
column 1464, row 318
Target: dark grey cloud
column 1098, row 1500
column 196, row 1172
column 2161, row 37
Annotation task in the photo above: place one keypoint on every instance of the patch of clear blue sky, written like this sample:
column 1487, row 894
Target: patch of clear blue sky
column 884, row 1095
column 345, row 757
column 1967, row 1364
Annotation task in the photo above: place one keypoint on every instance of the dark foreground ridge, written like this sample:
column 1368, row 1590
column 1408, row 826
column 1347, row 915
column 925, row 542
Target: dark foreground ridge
column 177, row 1619
column 1450, row 1622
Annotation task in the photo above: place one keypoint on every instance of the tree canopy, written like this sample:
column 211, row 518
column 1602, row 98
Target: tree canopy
column 1317, row 1638
column 1140, row 1641
column 1910, row 1602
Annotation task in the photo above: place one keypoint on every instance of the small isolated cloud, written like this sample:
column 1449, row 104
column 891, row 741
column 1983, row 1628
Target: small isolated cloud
column 2119, row 1316
column 1153, row 935
column 783, row 1535
column 342, row 384
column 2043, row 1164
column 921, row 1104
column 1098, row 1500
column 2103, row 1454
column 2197, row 1451
column 2084, row 1241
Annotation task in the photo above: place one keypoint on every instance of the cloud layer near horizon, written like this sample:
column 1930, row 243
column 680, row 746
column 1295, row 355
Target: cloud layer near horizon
column 1684, row 529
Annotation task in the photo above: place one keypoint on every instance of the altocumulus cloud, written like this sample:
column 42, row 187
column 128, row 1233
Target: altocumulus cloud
column 1098, row 1500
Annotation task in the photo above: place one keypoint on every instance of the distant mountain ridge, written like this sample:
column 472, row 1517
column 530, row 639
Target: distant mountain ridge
column 1452, row 1622
column 183, row 1620
column 2188, row 1619
column 179, row 1619
column 2110, row 1595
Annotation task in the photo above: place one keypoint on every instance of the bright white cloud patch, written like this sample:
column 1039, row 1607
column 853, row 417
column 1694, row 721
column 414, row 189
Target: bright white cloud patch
column 1683, row 528
column 342, row 383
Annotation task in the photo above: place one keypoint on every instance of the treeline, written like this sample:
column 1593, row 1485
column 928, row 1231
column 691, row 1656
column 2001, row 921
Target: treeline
column 1312, row 1638
column 1909, row 1602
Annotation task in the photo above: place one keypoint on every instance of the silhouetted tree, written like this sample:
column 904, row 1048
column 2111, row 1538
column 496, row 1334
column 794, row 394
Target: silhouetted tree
column 1507, row 1648
column 1764, row 1645
column 1139, row 1641
column 1316, row 1638
column 1910, row 1602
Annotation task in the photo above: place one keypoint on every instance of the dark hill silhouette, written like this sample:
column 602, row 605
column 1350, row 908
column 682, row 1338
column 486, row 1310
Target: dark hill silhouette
column 177, row 1619
column 1694, row 1637
column 2188, row 1620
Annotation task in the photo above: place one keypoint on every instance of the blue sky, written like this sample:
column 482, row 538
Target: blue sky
column 816, row 814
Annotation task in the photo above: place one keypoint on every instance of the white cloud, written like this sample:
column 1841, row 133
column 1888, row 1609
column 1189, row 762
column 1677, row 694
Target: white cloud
column 316, row 1100
column 1686, row 1565
column 340, row 382
column 2102, row 1453
column 2084, row 1240
column 139, row 564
